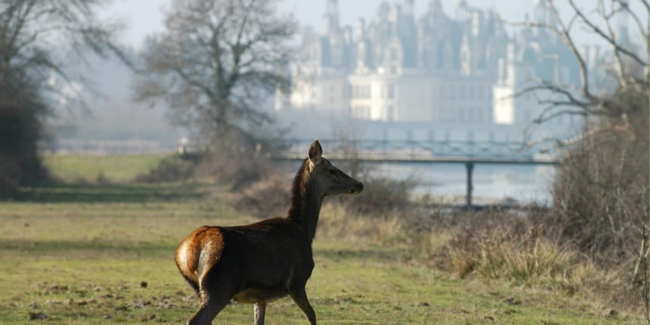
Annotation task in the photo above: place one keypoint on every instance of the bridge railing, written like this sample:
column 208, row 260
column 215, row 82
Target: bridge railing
column 415, row 149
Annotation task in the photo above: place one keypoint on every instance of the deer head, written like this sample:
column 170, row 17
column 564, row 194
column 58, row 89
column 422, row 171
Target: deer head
column 329, row 180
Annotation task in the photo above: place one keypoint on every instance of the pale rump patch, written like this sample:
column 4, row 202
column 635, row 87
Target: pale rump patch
column 185, row 259
column 204, row 257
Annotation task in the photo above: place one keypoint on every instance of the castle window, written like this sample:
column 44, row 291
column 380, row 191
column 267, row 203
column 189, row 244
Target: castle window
column 393, row 53
column 360, row 112
column 391, row 91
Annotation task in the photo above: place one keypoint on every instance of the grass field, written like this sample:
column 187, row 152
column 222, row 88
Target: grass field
column 81, row 252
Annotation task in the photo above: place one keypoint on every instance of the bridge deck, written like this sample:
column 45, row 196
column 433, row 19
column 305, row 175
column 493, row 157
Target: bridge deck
column 406, row 159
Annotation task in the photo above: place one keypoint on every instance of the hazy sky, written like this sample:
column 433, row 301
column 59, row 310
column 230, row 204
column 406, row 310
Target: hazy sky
column 146, row 16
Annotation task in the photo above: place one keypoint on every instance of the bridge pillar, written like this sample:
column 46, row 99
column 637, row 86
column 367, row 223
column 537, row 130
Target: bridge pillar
column 469, row 167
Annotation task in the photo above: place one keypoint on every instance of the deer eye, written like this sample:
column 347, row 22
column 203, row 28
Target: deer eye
column 332, row 172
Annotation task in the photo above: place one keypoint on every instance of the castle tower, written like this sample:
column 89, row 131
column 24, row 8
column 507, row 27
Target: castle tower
column 331, row 17
column 622, row 31
column 435, row 6
column 408, row 8
column 461, row 10
column 540, row 11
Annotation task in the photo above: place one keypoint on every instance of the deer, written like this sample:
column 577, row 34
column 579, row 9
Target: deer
column 264, row 261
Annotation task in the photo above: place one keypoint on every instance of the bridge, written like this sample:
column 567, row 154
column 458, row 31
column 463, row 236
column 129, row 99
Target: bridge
column 468, row 153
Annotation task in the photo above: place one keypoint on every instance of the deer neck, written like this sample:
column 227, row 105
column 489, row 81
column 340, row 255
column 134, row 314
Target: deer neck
column 306, row 201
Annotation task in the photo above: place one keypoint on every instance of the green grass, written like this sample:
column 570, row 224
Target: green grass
column 98, row 168
column 79, row 252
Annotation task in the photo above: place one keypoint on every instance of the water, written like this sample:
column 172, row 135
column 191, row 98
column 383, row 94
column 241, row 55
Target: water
column 492, row 183
column 446, row 182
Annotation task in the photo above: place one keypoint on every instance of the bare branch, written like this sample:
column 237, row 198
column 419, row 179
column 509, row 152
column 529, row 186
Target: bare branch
column 566, row 37
column 606, row 37
column 635, row 17
column 620, row 70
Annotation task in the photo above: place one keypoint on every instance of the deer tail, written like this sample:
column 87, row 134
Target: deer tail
column 198, row 253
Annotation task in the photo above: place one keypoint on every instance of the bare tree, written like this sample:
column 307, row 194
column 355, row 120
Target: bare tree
column 38, row 39
column 38, row 36
column 601, row 189
column 215, row 63
column 628, row 65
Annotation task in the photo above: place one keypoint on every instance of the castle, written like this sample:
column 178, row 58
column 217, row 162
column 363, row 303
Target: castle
column 432, row 77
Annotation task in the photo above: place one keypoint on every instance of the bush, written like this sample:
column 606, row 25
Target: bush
column 266, row 198
column 380, row 197
column 10, row 175
column 173, row 169
column 601, row 190
column 21, row 131
column 238, row 172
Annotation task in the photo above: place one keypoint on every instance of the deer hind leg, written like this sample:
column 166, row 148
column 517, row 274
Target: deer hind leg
column 194, row 285
column 214, row 295
column 259, row 312
column 299, row 296
column 211, row 305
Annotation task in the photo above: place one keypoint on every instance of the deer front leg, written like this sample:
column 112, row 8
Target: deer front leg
column 299, row 296
column 259, row 312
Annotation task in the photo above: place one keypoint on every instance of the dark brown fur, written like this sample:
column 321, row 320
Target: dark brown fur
column 260, row 262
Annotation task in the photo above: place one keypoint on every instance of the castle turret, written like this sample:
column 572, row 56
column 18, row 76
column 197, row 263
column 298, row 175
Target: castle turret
column 408, row 8
column 331, row 17
column 461, row 10
column 435, row 6
column 622, row 32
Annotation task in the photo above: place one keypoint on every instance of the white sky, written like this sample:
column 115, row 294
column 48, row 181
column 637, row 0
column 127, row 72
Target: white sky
column 146, row 16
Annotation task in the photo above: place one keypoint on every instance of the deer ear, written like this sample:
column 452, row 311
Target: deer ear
column 315, row 152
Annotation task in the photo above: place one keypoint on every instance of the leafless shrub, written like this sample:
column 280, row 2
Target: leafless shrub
column 169, row 170
column 238, row 172
column 339, row 222
column 381, row 196
column 601, row 191
column 266, row 198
